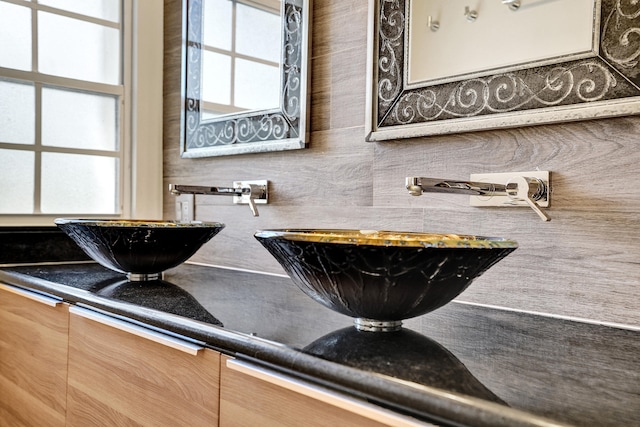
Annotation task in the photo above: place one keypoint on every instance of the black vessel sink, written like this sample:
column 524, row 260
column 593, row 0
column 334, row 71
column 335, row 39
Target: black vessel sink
column 382, row 277
column 140, row 249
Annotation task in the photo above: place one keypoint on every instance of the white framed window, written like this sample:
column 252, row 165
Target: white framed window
column 80, row 133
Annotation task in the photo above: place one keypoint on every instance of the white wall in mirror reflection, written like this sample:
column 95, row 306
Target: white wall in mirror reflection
column 497, row 38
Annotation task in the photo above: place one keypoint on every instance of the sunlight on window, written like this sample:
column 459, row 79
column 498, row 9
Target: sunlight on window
column 75, row 183
column 257, row 85
column 102, row 9
column 91, row 117
column 17, row 112
column 15, row 36
column 17, row 177
column 61, row 116
column 258, row 33
column 93, row 57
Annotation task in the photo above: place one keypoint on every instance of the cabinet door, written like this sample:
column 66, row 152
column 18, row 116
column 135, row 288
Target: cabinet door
column 125, row 374
column 253, row 396
column 33, row 358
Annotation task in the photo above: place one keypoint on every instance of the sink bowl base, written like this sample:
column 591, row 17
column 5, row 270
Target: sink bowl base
column 370, row 325
column 142, row 277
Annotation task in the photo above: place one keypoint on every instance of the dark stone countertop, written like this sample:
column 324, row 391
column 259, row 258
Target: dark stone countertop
column 460, row 365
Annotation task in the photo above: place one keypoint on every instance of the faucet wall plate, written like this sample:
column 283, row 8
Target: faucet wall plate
column 504, row 178
column 259, row 199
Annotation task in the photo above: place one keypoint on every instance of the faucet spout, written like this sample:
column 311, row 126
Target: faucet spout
column 176, row 190
column 419, row 185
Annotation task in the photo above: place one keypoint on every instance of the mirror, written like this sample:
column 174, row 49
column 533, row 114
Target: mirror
column 451, row 66
column 245, row 76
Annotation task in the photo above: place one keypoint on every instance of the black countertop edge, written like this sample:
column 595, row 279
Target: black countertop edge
column 426, row 403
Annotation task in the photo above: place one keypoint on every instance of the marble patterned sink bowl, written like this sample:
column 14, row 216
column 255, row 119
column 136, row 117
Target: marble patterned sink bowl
column 140, row 249
column 382, row 277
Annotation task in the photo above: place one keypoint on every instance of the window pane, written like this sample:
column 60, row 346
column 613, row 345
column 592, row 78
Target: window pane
column 79, row 50
column 17, row 113
column 216, row 78
column 256, row 85
column 79, row 120
column 216, row 31
column 102, row 9
column 17, row 178
column 76, row 183
column 15, row 36
column 258, row 33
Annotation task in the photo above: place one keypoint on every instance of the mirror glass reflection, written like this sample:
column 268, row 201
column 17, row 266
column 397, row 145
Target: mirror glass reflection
column 534, row 31
column 241, row 56
column 245, row 76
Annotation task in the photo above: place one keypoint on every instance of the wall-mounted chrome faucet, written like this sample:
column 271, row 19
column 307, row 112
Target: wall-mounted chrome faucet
column 243, row 192
column 499, row 189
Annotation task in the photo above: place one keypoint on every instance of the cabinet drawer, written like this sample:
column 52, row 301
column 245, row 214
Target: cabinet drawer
column 33, row 358
column 124, row 374
column 254, row 396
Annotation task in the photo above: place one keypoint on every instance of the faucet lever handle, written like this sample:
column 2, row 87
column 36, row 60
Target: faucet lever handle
column 528, row 190
column 253, row 207
column 256, row 192
column 543, row 216
column 252, row 193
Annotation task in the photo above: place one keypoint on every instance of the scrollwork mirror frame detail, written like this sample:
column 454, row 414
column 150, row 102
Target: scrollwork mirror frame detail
column 604, row 84
column 278, row 129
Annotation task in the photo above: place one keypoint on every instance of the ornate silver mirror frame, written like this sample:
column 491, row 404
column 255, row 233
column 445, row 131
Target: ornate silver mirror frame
column 282, row 128
column 604, row 84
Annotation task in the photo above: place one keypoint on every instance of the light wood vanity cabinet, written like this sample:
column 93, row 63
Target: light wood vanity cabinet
column 64, row 365
column 33, row 358
column 253, row 396
column 124, row 374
